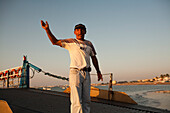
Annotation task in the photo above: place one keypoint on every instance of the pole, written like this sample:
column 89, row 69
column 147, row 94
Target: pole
column 110, row 87
column 24, row 82
column 27, row 76
column 7, row 83
column 110, row 82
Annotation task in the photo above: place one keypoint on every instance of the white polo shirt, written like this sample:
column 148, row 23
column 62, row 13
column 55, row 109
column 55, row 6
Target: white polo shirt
column 80, row 52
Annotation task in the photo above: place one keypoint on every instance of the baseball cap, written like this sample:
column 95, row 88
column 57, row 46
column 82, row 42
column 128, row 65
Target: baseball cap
column 80, row 26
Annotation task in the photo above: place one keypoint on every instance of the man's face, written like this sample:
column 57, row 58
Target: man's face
column 80, row 33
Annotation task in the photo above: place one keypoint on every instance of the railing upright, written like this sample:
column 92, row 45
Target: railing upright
column 24, row 82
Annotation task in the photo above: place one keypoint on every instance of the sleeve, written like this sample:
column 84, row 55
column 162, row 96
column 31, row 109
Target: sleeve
column 65, row 43
column 93, row 52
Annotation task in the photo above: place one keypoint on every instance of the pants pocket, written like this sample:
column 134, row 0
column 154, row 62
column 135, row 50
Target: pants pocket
column 74, row 78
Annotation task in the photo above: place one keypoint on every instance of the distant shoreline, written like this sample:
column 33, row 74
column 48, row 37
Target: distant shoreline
column 137, row 83
column 162, row 91
column 117, row 84
column 144, row 83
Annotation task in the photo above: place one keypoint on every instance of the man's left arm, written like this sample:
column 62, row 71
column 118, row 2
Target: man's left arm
column 96, row 65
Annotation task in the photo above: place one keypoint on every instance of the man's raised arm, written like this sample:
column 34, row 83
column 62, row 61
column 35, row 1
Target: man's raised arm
column 52, row 38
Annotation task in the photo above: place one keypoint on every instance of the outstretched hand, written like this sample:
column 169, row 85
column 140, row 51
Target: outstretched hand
column 44, row 25
column 99, row 76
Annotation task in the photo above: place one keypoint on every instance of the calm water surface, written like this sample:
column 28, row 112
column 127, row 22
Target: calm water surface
column 143, row 94
column 146, row 94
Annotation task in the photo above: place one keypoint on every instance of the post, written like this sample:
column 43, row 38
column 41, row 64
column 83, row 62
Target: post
column 3, row 83
column 7, row 82
column 110, row 92
column 110, row 82
column 27, row 76
column 24, row 82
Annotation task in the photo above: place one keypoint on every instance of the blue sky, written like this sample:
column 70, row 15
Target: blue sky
column 131, row 37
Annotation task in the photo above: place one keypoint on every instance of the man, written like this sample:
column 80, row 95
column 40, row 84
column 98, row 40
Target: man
column 79, row 78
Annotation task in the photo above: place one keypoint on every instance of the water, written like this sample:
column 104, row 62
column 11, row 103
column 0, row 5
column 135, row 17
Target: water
column 143, row 94
column 146, row 94
column 133, row 89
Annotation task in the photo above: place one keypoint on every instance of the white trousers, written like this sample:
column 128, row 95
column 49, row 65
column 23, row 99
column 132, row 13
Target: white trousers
column 80, row 91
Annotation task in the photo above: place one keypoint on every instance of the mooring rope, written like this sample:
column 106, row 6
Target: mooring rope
column 102, row 74
column 56, row 76
column 37, row 69
column 33, row 72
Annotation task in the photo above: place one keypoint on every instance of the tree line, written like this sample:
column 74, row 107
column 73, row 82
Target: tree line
column 164, row 75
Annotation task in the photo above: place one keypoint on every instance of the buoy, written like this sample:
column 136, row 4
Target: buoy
column 5, row 74
column 19, row 72
column 13, row 73
column 1, row 75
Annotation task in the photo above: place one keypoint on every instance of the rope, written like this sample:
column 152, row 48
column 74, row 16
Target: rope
column 37, row 69
column 33, row 72
column 52, row 75
column 102, row 74
column 56, row 76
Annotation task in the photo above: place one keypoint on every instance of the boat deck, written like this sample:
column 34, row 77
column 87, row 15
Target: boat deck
column 40, row 101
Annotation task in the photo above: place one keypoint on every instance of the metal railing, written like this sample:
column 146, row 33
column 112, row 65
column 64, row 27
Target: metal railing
column 18, row 77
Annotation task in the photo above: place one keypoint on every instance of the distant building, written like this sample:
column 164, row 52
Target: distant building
column 166, row 79
column 145, row 80
column 134, row 81
column 123, row 82
column 139, row 80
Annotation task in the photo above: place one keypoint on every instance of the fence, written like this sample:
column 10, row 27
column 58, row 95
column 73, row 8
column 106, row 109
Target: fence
column 18, row 77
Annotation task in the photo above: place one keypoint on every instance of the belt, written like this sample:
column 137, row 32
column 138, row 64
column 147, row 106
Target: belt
column 83, row 69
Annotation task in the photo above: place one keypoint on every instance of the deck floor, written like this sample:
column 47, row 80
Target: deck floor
column 38, row 101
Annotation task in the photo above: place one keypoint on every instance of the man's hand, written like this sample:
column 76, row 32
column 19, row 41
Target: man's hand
column 44, row 25
column 99, row 76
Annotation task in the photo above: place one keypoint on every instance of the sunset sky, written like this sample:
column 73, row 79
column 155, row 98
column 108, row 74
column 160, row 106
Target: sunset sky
column 131, row 37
